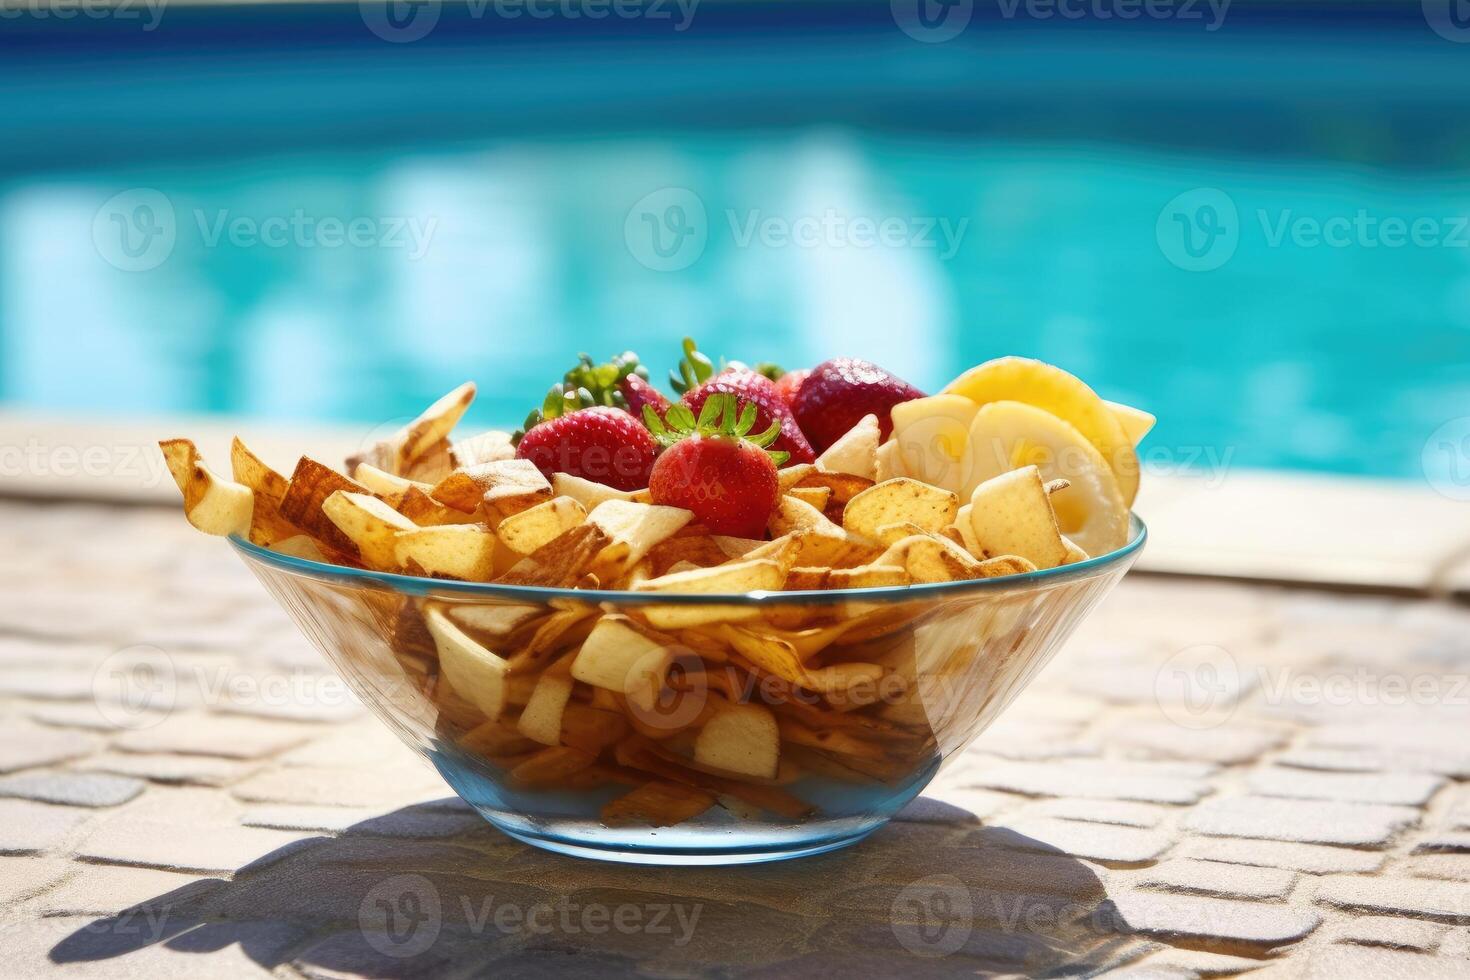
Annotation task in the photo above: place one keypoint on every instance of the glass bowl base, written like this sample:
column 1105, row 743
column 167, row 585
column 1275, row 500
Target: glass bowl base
column 607, row 844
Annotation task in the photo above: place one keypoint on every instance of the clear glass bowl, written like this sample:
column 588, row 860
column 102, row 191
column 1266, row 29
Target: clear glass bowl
column 954, row 655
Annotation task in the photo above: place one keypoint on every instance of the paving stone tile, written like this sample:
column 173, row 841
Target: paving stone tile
column 185, row 847
column 1311, row 822
column 86, row 715
column 1229, row 744
column 1231, row 923
column 230, row 737
column 72, row 788
column 1311, row 858
column 1448, row 842
column 202, row 770
column 1189, row 963
column 1119, row 812
column 48, row 684
column 1217, row 878
column 1100, row 842
column 1080, row 779
column 1339, row 960
column 1446, row 761
column 346, row 747
column 1389, row 932
column 26, row 748
column 22, row 877
column 104, row 889
column 1446, row 901
column 1406, row 736
column 1450, row 867
column 1002, row 862
column 362, row 786
column 26, row 826
column 1408, row 789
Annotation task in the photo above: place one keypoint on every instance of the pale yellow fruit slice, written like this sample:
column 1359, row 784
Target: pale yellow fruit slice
column 931, row 434
column 1021, row 379
column 1136, row 422
column 1008, row 435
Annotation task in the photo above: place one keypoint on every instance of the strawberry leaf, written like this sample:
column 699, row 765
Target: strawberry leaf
column 778, row 456
column 709, row 413
column 693, row 370
column 747, row 420
column 767, row 437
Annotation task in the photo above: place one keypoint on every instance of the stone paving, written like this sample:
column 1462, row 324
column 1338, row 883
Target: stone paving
column 1209, row 781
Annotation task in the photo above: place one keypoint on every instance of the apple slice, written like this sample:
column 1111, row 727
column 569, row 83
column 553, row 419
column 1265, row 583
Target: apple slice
column 619, row 658
column 476, row 674
column 855, row 452
column 1011, row 514
column 212, row 504
column 461, row 551
column 370, row 524
column 541, row 717
column 741, row 738
column 931, row 434
column 1091, row 510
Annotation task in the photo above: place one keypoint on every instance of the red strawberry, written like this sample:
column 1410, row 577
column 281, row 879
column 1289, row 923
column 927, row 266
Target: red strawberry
column 637, row 392
column 600, row 443
column 838, row 393
column 713, row 467
column 790, row 383
column 699, row 381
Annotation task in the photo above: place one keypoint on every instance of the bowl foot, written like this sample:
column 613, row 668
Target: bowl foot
column 675, row 854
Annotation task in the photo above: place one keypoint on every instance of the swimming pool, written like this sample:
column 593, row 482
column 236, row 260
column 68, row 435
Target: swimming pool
column 1272, row 257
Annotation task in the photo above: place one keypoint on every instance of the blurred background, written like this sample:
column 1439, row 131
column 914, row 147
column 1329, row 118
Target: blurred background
column 1247, row 217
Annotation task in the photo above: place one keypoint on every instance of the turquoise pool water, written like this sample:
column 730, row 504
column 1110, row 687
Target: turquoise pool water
column 1282, row 274
column 499, row 262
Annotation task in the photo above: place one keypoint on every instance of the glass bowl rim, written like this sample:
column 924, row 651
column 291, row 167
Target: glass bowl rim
column 419, row 586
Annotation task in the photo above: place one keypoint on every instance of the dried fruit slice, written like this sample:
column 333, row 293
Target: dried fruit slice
column 1021, row 379
column 1009, row 435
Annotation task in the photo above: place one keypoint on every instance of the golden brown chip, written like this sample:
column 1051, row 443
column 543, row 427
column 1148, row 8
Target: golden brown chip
column 561, row 562
column 816, row 496
column 425, row 511
column 591, row 729
column 496, row 489
column 657, row 804
column 212, row 504
column 267, row 526
column 899, row 500
column 551, row 765
column 702, row 551
column 487, row 447
column 411, row 444
column 311, row 484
